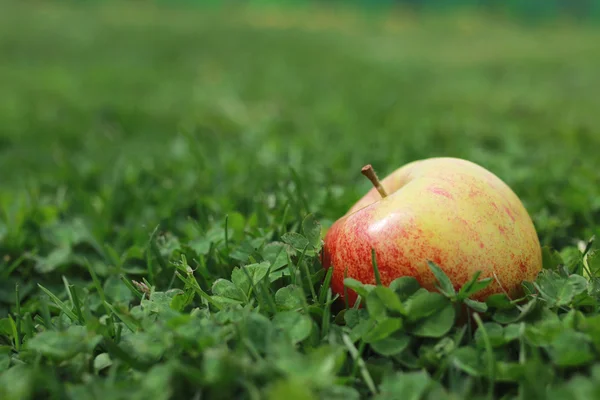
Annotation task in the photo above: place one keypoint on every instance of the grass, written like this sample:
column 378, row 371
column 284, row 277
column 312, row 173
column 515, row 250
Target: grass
column 165, row 174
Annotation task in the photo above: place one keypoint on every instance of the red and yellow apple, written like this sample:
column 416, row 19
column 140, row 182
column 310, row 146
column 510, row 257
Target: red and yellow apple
column 446, row 210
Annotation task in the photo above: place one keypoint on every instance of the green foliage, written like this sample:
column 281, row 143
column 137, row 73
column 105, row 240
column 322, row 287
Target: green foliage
column 166, row 177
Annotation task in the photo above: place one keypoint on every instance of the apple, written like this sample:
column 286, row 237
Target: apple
column 450, row 211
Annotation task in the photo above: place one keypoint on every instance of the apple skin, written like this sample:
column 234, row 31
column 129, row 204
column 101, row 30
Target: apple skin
column 447, row 210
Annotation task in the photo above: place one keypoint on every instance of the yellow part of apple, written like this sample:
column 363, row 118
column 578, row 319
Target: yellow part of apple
column 446, row 210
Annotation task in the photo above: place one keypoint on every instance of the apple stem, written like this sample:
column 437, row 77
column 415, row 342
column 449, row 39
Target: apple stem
column 369, row 172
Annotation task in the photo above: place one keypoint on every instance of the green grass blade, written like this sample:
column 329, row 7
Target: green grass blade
column 60, row 304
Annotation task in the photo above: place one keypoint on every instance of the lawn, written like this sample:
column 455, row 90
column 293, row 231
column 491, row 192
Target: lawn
column 165, row 171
